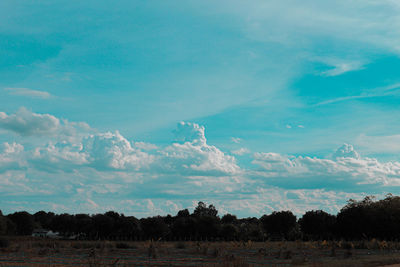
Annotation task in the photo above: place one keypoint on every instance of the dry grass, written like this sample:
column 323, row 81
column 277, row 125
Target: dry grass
column 39, row 252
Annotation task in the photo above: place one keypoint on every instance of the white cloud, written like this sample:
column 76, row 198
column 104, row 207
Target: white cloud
column 145, row 146
column 27, row 123
column 236, row 140
column 241, row 151
column 112, row 150
column 194, row 156
column 11, row 157
column 14, row 183
column 371, row 93
column 347, row 169
column 346, row 151
column 99, row 166
column 304, row 26
column 63, row 156
column 27, row 92
column 342, row 67
column 188, row 132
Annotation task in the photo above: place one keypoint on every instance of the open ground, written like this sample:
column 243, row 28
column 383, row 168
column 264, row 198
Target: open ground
column 44, row 252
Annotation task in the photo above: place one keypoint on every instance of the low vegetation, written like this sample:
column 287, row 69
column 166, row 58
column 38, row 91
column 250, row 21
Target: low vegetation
column 38, row 252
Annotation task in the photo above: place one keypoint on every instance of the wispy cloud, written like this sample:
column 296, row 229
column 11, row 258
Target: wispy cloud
column 27, row 92
column 377, row 92
column 341, row 68
column 236, row 140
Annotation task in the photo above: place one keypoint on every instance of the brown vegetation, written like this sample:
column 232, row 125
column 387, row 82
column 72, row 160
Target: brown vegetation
column 38, row 252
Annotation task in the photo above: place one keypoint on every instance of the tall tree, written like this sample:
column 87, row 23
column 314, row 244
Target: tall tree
column 23, row 221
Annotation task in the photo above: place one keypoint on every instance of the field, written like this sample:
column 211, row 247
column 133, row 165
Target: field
column 45, row 252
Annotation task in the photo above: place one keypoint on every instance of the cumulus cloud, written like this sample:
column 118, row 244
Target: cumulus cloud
column 28, row 92
column 11, row 157
column 101, row 151
column 27, row 123
column 188, row 132
column 63, row 156
column 98, row 166
column 346, row 151
column 112, row 150
column 346, row 169
column 192, row 155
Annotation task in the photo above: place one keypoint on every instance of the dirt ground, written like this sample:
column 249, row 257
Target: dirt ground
column 44, row 252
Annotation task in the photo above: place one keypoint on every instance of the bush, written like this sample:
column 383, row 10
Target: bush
column 4, row 243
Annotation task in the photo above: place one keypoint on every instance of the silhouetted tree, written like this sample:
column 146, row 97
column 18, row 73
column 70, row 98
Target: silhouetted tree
column 103, row 225
column 44, row 218
column 317, row 224
column 229, row 218
column 370, row 219
column 154, row 227
column 84, row 226
column 23, row 221
column 354, row 220
column 63, row 223
column 281, row 222
column 229, row 232
column 183, row 213
column 184, row 227
column 250, row 229
column 128, row 227
column 3, row 224
column 363, row 219
column 202, row 210
column 207, row 226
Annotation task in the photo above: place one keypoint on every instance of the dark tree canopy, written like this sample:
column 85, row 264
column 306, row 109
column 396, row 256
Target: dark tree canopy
column 23, row 221
column 364, row 219
column 280, row 222
column 229, row 218
column 317, row 224
column 202, row 210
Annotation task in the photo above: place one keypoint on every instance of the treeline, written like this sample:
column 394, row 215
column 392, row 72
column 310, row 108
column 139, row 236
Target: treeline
column 365, row 219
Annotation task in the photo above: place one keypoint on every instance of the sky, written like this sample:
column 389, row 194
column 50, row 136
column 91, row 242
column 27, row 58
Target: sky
column 147, row 107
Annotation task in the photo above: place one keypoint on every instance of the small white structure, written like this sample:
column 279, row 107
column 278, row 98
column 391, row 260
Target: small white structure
column 45, row 233
column 40, row 232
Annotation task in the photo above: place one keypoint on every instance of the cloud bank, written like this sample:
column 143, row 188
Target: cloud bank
column 100, row 170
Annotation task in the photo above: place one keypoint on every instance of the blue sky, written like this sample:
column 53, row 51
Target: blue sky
column 147, row 107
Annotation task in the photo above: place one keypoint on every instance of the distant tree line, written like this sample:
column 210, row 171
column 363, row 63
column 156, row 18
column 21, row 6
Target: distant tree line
column 365, row 219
